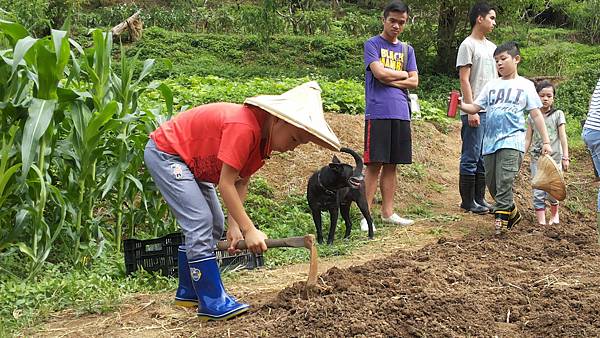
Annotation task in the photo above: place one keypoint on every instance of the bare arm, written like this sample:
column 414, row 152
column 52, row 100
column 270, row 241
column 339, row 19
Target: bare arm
column 412, row 82
column 233, row 199
column 538, row 119
column 469, row 108
column 562, row 135
column 464, row 72
column 528, row 136
column 386, row 75
column 234, row 234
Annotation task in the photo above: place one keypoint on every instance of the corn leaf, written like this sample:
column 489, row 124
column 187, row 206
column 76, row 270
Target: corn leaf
column 111, row 179
column 167, row 94
column 13, row 31
column 24, row 248
column 40, row 115
column 21, row 48
column 46, row 66
column 5, row 176
column 6, row 147
column 148, row 64
column 135, row 181
column 97, row 123
column 61, row 48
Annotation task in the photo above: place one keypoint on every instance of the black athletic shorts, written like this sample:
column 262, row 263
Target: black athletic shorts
column 388, row 141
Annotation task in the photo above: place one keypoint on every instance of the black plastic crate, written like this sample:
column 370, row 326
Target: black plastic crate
column 160, row 254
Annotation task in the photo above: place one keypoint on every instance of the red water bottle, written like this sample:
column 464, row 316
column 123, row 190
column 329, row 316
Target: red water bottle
column 453, row 103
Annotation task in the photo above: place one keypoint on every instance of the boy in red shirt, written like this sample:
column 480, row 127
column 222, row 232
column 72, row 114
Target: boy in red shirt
column 223, row 144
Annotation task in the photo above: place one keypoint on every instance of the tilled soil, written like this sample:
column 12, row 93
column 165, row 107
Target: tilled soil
column 532, row 281
column 529, row 283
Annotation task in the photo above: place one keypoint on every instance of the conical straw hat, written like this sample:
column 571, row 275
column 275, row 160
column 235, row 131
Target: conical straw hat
column 302, row 107
column 549, row 178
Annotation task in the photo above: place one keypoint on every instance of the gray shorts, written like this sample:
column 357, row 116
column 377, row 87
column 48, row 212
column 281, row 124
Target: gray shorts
column 194, row 204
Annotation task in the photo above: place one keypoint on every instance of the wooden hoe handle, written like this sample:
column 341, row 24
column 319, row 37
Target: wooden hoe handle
column 307, row 241
column 290, row 242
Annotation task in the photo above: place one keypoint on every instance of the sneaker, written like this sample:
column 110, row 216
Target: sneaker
column 395, row 219
column 364, row 226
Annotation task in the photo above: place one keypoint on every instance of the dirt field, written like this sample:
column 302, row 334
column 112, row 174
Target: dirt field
column 447, row 275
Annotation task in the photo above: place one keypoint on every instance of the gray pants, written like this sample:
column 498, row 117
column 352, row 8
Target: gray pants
column 501, row 168
column 195, row 204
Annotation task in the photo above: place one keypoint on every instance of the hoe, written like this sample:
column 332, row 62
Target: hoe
column 307, row 241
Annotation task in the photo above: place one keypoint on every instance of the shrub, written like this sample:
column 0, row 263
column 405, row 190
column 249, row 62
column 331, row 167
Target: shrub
column 563, row 59
column 242, row 56
column 573, row 95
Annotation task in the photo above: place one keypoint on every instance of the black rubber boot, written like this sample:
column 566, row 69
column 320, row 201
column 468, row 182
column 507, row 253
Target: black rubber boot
column 514, row 218
column 501, row 220
column 466, row 185
column 480, row 191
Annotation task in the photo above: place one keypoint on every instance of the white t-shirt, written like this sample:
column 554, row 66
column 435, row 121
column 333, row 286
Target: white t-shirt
column 480, row 55
column 505, row 102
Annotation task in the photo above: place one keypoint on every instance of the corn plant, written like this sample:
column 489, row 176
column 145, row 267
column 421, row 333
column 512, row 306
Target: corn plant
column 74, row 141
column 127, row 155
column 94, row 117
column 33, row 69
column 8, row 186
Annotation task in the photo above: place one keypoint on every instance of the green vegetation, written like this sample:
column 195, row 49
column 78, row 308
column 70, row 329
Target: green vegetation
column 96, row 289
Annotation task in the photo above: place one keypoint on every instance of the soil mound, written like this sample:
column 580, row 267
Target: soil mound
column 525, row 283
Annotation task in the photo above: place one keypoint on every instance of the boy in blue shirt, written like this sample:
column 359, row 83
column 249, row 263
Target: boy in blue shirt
column 505, row 100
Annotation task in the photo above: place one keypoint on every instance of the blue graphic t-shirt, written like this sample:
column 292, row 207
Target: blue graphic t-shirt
column 505, row 102
column 383, row 101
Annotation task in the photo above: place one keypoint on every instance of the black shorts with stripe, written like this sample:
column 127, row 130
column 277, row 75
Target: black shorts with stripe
column 388, row 141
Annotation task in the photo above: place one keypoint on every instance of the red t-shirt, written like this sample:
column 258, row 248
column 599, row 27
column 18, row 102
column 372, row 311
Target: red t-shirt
column 207, row 136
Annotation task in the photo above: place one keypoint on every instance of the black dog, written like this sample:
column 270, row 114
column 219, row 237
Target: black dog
column 334, row 187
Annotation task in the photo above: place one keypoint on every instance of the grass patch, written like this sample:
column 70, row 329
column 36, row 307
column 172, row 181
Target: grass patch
column 437, row 231
column 98, row 288
column 421, row 210
column 436, row 187
column 414, row 171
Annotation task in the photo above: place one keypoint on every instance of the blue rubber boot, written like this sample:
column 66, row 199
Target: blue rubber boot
column 185, row 296
column 213, row 302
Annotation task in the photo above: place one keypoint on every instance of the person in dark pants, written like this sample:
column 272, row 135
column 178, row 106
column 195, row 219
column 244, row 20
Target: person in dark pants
column 475, row 63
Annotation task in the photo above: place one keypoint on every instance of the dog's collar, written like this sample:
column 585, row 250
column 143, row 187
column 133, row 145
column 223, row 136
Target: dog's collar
column 330, row 192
